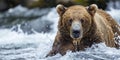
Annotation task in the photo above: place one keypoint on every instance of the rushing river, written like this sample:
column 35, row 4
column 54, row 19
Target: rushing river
column 28, row 34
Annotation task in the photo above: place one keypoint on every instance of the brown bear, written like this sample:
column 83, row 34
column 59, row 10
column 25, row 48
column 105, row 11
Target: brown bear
column 80, row 27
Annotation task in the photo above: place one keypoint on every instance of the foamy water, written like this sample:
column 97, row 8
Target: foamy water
column 17, row 45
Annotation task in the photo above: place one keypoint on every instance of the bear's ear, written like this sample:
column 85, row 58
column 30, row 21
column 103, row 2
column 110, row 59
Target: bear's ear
column 92, row 9
column 60, row 9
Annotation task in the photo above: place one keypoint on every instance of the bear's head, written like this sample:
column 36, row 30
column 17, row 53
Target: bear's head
column 75, row 21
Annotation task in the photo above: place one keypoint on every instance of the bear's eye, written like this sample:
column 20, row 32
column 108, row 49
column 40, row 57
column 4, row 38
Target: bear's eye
column 70, row 21
column 82, row 21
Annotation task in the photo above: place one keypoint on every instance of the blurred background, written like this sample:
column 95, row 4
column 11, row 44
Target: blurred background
column 6, row 4
column 29, row 13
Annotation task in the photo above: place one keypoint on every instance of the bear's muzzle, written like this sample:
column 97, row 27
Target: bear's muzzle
column 76, row 30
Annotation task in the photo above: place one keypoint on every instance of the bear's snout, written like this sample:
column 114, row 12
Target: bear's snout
column 76, row 30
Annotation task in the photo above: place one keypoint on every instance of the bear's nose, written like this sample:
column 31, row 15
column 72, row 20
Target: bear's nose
column 76, row 33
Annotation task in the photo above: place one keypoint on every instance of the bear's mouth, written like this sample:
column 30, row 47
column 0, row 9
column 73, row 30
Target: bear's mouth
column 76, row 43
column 76, row 35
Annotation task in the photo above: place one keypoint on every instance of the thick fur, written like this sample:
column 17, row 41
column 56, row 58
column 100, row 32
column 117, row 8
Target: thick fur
column 98, row 26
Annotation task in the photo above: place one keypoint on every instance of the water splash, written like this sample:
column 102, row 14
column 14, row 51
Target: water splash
column 17, row 45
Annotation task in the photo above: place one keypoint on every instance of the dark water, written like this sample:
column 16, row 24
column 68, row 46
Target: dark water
column 28, row 19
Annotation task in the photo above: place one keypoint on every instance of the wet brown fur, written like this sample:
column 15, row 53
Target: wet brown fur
column 101, row 28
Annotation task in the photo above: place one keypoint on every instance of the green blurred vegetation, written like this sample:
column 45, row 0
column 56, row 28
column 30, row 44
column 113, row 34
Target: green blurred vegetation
column 6, row 4
column 101, row 3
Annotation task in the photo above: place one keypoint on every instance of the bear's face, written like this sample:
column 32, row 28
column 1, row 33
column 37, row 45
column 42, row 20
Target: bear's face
column 75, row 20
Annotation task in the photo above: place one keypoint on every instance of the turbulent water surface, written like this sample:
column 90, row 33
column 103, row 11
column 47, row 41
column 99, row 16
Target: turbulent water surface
column 29, row 34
